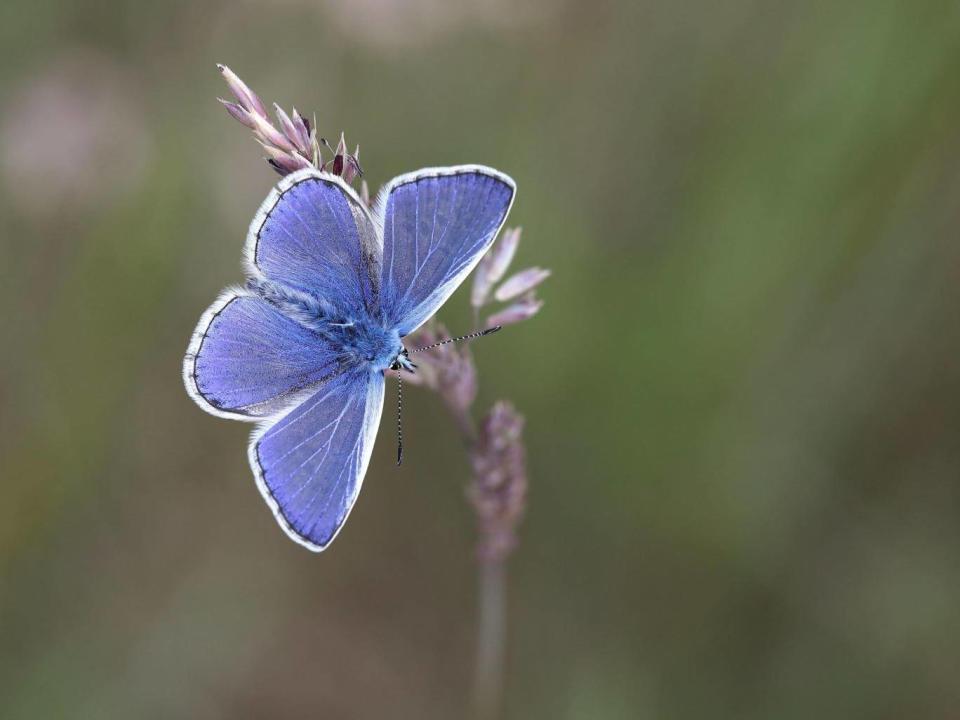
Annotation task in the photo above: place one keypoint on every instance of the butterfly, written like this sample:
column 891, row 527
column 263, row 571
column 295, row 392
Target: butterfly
column 333, row 288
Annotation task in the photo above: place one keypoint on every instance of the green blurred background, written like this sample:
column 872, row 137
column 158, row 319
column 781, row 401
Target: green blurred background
column 743, row 393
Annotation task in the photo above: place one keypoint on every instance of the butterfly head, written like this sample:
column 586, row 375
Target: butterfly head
column 402, row 361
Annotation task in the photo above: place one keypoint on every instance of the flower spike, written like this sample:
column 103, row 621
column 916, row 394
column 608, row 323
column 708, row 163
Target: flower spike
column 290, row 142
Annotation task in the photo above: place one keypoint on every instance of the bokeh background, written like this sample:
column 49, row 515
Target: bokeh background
column 743, row 393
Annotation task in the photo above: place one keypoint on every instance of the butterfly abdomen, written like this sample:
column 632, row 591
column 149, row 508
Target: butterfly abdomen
column 304, row 308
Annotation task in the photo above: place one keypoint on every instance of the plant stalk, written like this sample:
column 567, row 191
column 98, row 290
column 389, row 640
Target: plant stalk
column 491, row 639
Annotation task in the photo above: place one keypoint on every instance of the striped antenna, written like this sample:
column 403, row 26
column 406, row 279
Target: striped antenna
column 470, row 336
column 399, row 418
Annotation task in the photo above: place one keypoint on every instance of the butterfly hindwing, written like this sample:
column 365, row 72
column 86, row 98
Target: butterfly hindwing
column 313, row 234
column 309, row 465
column 248, row 360
column 437, row 224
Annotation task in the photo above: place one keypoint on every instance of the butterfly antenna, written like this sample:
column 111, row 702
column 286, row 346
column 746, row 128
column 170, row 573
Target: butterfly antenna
column 399, row 418
column 470, row 336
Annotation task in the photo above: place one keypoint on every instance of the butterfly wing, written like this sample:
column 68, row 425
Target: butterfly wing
column 309, row 465
column 247, row 360
column 313, row 233
column 437, row 224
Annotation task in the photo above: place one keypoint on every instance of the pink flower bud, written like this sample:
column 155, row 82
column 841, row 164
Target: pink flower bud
column 284, row 162
column 290, row 130
column 299, row 161
column 493, row 266
column 270, row 135
column 302, row 127
column 237, row 113
column 520, row 283
column 351, row 166
column 503, row 253
column 517, row 312
column 247, row 97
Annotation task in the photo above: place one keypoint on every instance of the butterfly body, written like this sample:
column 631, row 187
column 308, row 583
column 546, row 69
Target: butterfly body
column 360, row 339
column 332, row 289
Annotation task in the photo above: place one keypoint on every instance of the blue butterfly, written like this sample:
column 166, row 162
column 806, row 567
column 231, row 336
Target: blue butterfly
column 333, row 288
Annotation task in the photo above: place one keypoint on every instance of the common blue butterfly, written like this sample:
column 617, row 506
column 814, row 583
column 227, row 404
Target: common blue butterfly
column 332, row 290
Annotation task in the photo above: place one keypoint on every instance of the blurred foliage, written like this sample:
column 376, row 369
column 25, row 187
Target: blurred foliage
column 743, row 394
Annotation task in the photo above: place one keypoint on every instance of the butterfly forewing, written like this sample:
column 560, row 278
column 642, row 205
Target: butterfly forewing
column 437, row 224
column 313, row 234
